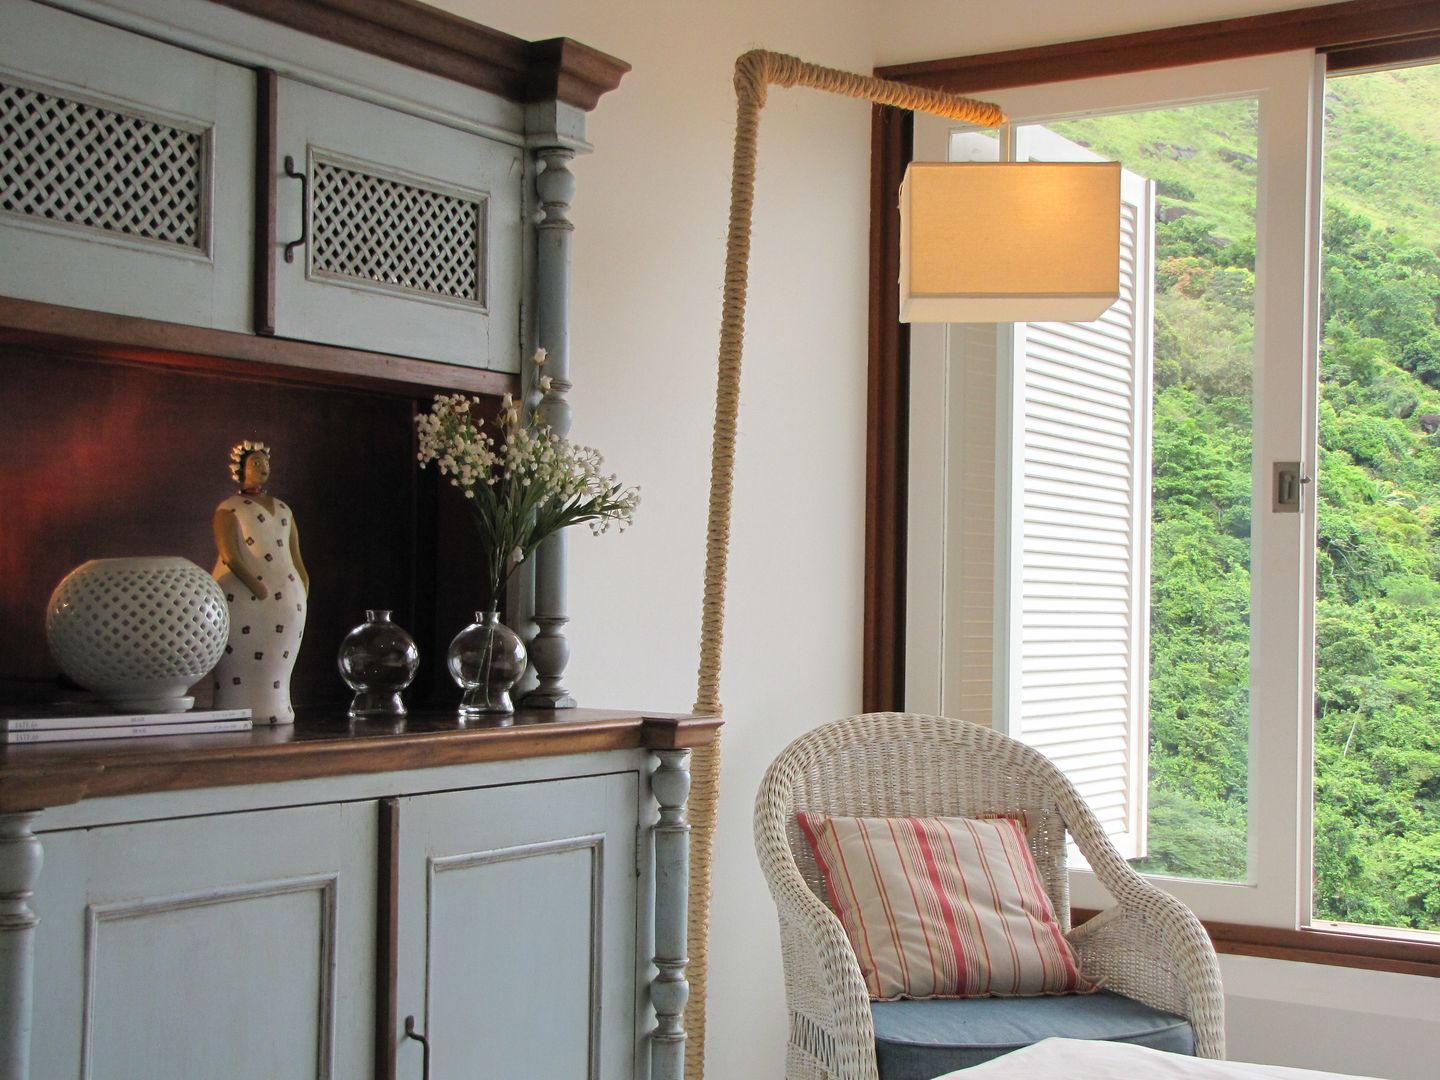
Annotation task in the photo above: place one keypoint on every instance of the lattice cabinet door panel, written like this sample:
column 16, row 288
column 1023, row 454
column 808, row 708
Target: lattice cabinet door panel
column 411, row 232
column 516, row 930
column 126, row 171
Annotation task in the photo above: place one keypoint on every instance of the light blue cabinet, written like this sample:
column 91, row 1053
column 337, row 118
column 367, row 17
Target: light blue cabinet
column 517, row 930
column 129, row 185
column 394, row 233
column 499, row 917
column 364, row 193
column 127, row 172
column 238, row 946
column 218, row 906
column 243, row 945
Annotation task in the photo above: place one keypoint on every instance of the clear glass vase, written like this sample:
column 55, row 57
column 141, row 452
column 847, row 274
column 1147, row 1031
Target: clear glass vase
column 486, row 659
column 377, row 660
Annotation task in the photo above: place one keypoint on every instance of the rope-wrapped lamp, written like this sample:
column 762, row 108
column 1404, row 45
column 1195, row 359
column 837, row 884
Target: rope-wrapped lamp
column 754, row 72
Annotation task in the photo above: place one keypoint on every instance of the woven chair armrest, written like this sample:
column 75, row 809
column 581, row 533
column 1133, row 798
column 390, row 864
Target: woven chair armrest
column 1151, row 947
column 823, row 979
column 824, row 935
column 826, row 994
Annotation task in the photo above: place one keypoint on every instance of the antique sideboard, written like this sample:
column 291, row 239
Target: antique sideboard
column 341, row 899
column 296, row 220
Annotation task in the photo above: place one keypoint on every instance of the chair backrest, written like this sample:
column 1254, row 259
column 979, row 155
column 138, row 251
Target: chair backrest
column 909, row 765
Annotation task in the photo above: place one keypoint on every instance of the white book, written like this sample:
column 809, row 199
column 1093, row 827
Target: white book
column 133, row 731
column 77, row 717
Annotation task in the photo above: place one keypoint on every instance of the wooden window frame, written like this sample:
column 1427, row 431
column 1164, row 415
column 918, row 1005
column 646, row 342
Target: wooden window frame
column 1353, row 35
column 1408, row 952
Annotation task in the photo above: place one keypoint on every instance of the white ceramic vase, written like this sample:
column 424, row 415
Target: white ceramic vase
column 138, row 632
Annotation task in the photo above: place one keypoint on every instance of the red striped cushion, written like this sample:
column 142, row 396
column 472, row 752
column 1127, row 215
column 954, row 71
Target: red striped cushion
column 943, row 907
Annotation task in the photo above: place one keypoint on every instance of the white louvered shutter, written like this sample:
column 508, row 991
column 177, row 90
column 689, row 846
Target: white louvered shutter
column 1080, row 532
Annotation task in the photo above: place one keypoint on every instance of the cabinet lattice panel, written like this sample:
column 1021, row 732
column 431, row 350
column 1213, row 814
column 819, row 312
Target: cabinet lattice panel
column 376, row 229
column 77, row 163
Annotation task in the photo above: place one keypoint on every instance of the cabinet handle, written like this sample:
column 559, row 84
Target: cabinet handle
column 295, row 174
column 411, row 1033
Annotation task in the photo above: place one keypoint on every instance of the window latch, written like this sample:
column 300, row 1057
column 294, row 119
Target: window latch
column 1288, row 481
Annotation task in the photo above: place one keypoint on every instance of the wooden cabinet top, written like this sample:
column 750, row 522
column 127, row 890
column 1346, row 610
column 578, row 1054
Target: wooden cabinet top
column 39, row 775
column 424, row 37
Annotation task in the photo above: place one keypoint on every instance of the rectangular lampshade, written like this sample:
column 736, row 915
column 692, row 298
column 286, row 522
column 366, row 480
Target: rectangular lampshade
column 1009, row 241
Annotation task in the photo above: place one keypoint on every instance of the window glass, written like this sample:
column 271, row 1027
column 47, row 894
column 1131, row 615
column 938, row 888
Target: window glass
column 1201, row 160
column 1377, row 689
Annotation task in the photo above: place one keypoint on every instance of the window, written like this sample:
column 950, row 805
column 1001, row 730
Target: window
column 1068, row 566
column 1266, row 668
column 1377, row 665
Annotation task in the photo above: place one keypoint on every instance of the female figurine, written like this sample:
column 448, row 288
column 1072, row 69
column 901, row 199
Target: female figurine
column 266, row 586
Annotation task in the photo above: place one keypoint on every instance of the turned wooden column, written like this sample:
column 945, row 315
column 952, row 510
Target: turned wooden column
column 669, row 990
column 20, row 859
column 555, row 187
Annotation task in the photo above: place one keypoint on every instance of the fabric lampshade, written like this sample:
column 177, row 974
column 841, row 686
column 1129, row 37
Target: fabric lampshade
column 1009, row 241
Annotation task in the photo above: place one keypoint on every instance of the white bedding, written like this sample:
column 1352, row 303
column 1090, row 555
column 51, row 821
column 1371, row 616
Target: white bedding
column 1082, row 1059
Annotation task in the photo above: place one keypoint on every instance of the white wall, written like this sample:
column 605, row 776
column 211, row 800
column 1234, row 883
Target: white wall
column 651, row 213
column 1371, row 1023
column 649, row 248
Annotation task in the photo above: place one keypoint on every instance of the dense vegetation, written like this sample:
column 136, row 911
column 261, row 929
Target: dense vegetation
column 1377, row 707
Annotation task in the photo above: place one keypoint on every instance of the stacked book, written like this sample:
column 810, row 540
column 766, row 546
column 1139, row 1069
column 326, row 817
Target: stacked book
column 72, row 723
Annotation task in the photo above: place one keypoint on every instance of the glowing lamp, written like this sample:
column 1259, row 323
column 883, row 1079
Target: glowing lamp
column 1009, row 241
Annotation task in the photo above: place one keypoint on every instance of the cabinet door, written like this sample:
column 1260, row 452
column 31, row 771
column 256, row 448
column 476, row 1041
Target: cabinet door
column 517, row 928
column 238, row 946
column 412, row 228
column 126, row 172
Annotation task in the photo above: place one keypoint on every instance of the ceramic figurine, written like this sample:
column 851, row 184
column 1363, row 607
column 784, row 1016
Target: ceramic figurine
column 266, row 588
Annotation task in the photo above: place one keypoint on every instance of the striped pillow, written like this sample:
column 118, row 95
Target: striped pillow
column 943, row 907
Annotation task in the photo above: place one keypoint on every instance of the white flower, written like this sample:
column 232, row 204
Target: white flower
column 522, row 483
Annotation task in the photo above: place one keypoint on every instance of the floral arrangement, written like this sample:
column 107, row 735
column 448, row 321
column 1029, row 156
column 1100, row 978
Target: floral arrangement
column 523, row 482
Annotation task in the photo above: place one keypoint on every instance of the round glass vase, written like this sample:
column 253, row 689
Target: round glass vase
column 486, row 659
column 377, row 660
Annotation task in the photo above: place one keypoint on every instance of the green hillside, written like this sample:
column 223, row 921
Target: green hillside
column 1199, row 157
column 1377, row 709
column 1383, row 154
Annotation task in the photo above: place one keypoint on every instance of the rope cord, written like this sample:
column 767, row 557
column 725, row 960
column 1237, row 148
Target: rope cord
column 755, row 71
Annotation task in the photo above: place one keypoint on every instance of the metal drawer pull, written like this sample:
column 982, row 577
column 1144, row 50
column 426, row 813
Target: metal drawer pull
column 411, row 1033
column 294, row 174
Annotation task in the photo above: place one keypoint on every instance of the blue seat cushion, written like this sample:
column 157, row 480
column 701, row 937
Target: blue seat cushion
column 919, row 1040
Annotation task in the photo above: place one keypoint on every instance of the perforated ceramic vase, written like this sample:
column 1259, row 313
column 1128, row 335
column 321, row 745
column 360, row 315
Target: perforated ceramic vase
column 138, row 632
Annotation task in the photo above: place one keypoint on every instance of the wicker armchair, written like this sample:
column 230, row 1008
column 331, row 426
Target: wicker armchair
column 1149, row 946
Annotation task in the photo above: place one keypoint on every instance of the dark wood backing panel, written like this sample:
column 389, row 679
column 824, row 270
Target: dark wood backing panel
column 132, row 460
